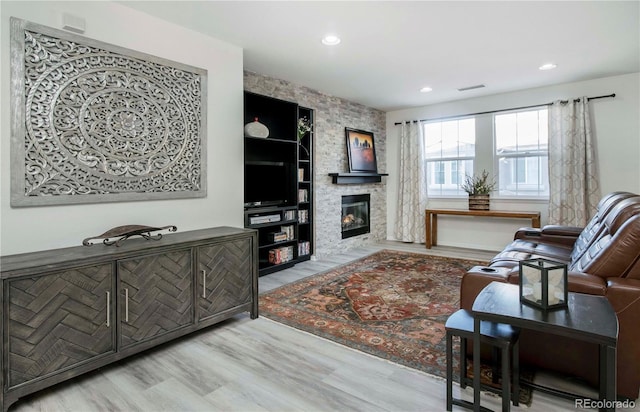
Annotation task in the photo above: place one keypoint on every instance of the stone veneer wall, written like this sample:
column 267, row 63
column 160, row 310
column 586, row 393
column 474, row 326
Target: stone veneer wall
column 332, row 115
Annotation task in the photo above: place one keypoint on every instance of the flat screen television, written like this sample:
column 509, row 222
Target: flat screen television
column 269, row 184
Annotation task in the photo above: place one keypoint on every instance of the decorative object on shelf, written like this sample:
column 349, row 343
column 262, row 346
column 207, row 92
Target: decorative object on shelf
column 125, row 232
column 256, row 129
column 361, row 151
column 304, row 127
column 543, row 284
column 479, row 189
column 93, row 122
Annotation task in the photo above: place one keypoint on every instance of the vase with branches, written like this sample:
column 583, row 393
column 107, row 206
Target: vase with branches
column 304, row 127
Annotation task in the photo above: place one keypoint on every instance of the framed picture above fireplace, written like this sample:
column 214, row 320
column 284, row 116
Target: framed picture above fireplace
column 361, row 151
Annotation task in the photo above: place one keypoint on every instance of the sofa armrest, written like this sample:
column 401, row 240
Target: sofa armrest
column 476, row 279
column 562, row 235
column 624, row 296
column 579, row 282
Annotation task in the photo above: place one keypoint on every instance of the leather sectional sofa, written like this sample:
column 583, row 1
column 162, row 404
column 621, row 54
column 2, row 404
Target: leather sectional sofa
column 603, row 258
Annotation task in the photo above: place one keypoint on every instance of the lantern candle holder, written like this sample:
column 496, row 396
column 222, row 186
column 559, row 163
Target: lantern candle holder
column 544, row 284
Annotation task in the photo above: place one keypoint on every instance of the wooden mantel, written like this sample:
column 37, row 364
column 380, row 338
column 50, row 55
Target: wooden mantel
column 356, row 178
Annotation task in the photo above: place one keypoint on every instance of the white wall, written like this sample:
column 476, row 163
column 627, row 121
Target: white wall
column 39, row 228
column 617, row 133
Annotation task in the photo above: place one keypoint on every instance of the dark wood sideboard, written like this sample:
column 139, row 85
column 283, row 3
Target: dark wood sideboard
column 68, row 311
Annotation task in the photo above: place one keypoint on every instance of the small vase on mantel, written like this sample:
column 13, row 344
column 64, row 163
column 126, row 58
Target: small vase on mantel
column 479, row 202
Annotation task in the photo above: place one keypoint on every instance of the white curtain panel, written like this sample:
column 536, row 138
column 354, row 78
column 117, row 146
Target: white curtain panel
column 574, row 188
column 412, row 188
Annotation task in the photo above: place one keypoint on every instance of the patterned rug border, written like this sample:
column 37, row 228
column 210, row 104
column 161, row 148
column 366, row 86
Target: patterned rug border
column 321, row 278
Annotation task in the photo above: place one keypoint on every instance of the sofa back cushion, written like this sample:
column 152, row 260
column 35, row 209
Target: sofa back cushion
column 595, row 227
column 615, row 252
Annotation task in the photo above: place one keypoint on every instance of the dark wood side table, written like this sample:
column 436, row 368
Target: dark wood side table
column 589, row 318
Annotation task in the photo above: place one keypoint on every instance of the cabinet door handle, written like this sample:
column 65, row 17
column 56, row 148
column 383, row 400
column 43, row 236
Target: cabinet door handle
column 108, row 309
column 204, row 283
column 126, row 305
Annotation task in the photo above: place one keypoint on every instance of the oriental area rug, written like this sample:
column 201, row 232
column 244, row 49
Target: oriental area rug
column 390, row 304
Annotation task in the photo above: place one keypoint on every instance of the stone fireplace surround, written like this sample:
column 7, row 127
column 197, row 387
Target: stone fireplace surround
column 332, row 115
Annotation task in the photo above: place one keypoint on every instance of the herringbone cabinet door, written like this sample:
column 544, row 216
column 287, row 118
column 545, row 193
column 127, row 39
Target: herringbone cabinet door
column 58, row 320
column 224, row 276
column 155, row 295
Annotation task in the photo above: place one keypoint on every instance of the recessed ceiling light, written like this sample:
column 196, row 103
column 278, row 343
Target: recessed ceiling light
column 426, row 89
column 330, row 40
column 548, row 66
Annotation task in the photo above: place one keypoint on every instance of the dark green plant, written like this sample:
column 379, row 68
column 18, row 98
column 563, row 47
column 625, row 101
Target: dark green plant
column 478, row 185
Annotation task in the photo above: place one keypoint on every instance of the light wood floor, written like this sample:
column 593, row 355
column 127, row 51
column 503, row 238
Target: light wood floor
column 261, row 365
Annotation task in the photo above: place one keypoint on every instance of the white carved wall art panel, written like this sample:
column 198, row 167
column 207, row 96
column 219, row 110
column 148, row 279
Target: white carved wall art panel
column 94, row 122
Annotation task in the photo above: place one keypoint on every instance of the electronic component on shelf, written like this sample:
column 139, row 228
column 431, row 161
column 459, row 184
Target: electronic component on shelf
column 256, row 220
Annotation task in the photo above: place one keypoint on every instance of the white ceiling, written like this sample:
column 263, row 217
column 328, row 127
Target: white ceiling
column 391, row 49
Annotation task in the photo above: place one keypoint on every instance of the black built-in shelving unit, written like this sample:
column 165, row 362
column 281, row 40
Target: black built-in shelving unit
column 278, row 170
column 305, row 183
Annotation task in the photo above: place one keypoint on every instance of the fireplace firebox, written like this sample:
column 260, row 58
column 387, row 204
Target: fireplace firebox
column 355, row 215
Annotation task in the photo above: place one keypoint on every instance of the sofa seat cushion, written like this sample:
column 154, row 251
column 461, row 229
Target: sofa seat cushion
column 560, row 253
column 510, row 257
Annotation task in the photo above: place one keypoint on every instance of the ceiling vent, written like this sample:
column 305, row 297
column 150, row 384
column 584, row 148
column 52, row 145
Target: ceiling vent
column 477, row 86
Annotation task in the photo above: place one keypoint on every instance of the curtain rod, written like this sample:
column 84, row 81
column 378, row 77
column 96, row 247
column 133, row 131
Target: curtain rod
column 504, row 110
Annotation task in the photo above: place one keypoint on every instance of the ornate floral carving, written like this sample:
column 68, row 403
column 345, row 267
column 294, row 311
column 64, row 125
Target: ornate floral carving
column 101, row 122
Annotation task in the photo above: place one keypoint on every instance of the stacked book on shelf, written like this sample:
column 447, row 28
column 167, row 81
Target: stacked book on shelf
column 286, row 233
column 303, row 216
column 289, row 215
column 281, row 255
column 304, row 248
column 303, row 195
column 289, row 231
column 275, row 237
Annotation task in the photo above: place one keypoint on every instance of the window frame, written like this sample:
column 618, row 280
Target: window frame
column 446, row 171
column 524, row 155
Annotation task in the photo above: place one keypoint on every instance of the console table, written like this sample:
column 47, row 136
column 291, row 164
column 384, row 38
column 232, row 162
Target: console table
column 68, row 311
column 588, row 318
column 431, row 219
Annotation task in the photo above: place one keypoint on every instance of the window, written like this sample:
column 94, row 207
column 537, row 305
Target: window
column 450, row 148
column 521, row 142
column 511, row 145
